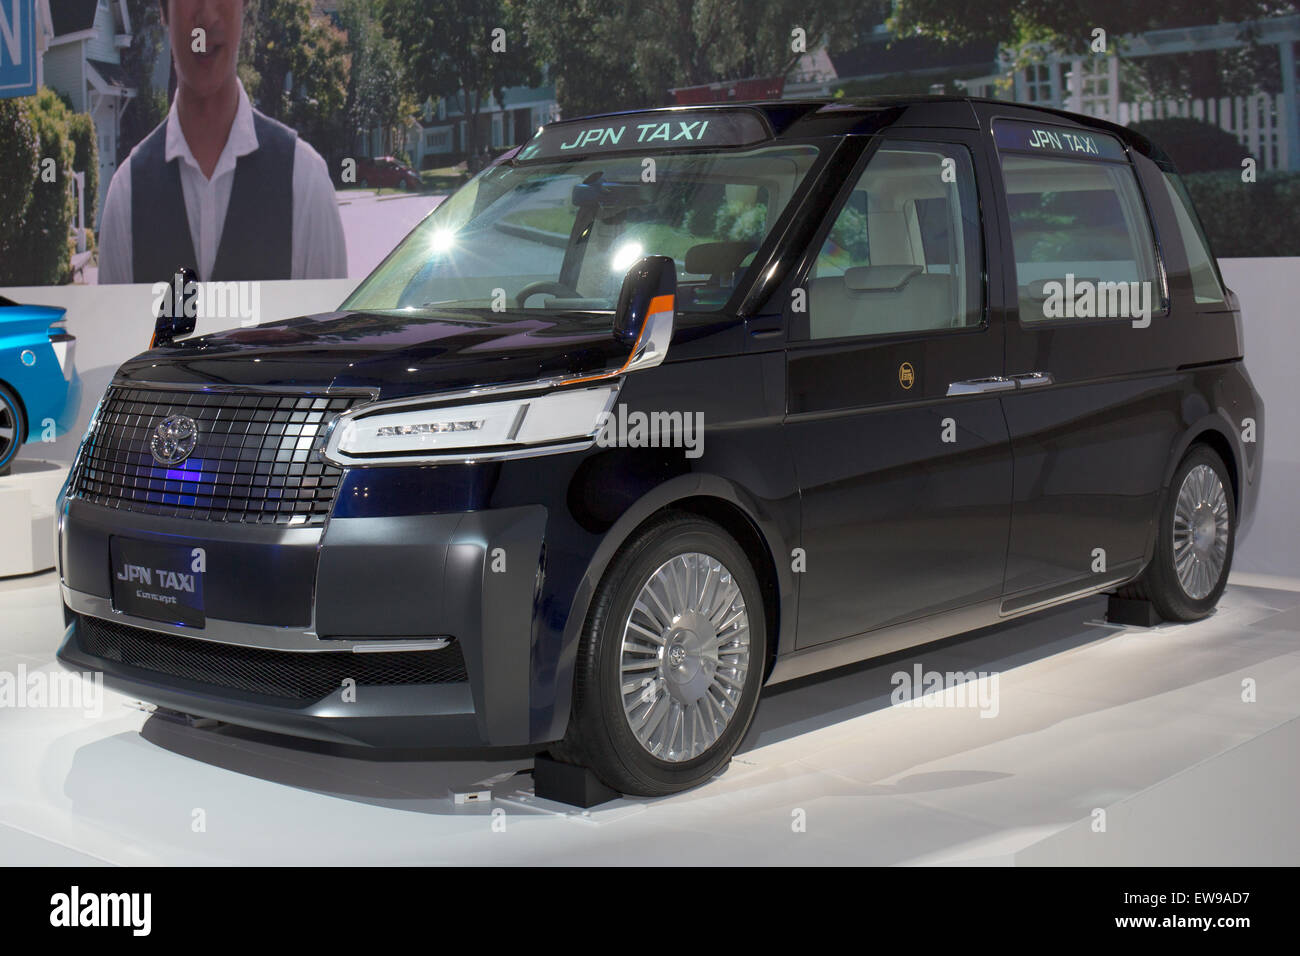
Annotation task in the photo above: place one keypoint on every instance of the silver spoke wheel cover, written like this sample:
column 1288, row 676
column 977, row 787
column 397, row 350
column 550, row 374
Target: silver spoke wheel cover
column 684, row 657
column 1200, row 532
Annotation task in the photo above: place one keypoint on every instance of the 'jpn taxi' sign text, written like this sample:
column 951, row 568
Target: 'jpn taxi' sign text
column 1056, row 141
column 675, row 129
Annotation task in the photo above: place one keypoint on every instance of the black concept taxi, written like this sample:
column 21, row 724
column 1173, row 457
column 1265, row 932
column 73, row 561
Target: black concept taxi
column 663, row 407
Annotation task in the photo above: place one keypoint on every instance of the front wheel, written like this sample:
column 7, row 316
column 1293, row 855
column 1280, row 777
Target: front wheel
column 671, row 660
column 1195, row 541
column 12, row 427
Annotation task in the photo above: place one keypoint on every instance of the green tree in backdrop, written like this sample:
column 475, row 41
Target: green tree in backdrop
column 467, row 50
column 294, row 65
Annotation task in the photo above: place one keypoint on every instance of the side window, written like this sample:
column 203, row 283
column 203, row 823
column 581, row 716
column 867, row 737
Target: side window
column 1082, row 239
column 1206, row 287
column 904, row 252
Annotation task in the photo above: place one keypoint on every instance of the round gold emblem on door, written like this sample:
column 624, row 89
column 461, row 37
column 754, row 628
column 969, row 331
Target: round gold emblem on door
column 906, row 375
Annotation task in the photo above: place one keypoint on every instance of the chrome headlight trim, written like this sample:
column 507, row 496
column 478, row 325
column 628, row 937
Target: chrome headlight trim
column 504, row 394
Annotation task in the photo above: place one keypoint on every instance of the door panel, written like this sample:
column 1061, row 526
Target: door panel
column 1089, row 461
column 905, row 489
column 1091, row 441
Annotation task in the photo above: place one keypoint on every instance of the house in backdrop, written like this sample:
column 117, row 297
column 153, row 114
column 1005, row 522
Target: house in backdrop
column 880, row 65
column 884, row 64
column 44, row 27
column 440, row 137
column 1266, row 123
column 83, row 61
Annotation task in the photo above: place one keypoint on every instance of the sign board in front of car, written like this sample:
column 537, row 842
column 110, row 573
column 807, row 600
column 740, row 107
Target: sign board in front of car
column 17, row 48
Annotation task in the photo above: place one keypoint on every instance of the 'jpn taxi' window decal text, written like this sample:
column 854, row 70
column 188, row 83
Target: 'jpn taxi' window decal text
column 1038, row 138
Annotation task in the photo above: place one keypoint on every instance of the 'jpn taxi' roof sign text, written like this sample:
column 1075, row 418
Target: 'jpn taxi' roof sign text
column 645, row 131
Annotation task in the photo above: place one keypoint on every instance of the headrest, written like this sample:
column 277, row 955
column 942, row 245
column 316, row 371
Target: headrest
column 879, row 278
column 717, row 258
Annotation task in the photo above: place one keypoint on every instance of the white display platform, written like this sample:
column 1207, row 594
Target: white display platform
column 1152, row 726
column 27, row 497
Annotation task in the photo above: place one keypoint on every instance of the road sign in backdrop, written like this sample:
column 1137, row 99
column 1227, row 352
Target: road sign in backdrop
column 17, row 48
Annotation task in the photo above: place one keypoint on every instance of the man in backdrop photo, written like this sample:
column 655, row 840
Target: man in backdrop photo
column 217, row 186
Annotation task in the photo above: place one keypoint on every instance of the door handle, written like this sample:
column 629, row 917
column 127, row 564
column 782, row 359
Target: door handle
column 980, row 386
column 1032, row 379
column 1000, row 383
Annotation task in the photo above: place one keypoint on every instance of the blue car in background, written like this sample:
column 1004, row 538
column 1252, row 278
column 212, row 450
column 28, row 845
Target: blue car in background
column 38, row 376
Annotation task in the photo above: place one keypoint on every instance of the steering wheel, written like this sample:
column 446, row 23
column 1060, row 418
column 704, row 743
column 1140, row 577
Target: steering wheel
column 544, row 286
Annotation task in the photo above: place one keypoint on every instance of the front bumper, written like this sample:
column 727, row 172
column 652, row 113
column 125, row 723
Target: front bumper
column 310, row 605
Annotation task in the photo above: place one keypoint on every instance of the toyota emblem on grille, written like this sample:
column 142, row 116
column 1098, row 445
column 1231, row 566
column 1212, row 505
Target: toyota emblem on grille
column 174, row 439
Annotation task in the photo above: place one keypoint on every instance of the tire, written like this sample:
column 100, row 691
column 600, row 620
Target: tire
column 13, row 426
column 694, row 553
column 1194, row 595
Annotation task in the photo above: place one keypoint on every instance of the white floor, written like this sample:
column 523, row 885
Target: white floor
column 1149, row 726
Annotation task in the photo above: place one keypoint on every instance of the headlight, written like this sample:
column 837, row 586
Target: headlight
column 432, row 431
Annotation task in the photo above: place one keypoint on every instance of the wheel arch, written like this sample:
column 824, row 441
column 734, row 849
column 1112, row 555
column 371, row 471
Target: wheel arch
column 1214, row 432
column 22, row 406
column 756, row 530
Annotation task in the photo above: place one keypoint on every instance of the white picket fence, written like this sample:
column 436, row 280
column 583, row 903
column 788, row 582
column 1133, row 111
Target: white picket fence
column 1258, row 121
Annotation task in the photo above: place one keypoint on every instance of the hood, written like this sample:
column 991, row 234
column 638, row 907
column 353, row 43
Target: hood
column 397, row 353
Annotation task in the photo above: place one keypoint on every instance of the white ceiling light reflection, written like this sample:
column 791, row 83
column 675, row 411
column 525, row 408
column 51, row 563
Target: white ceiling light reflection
column 625, row 256
column 441, row 240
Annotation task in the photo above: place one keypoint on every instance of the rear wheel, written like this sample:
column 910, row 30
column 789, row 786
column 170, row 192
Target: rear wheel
column 12, row 427
column 1195, row 541
column 671, row 660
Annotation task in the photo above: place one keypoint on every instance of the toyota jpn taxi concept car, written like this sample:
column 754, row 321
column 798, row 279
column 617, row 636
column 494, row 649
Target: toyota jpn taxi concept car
column 667, row 406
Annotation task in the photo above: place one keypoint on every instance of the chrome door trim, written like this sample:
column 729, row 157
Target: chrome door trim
column 925, row 630
column 1032, row 379
column 1000, row 383
column 981, row 386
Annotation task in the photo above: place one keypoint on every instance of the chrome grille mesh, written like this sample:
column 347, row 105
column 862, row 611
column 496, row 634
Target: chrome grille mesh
column 257, row 458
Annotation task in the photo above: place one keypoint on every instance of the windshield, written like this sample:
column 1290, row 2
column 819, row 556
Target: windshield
column 561, row 236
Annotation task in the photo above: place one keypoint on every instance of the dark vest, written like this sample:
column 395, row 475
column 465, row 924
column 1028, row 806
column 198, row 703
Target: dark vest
column 257, row 237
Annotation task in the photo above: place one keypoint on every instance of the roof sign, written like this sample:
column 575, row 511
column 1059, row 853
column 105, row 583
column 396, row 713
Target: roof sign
column 1072, row 142
column 637, row 132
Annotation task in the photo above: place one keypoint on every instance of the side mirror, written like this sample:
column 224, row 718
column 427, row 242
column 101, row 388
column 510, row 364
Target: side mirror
column 644, row 317
column 177, row 315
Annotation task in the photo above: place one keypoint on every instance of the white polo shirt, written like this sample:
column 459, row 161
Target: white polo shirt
column 319, row 249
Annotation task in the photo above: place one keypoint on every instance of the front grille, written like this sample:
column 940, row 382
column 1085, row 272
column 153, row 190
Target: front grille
column 257, row 457
column 306, row 676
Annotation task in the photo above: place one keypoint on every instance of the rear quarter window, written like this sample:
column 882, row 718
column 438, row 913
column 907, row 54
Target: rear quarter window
column 1206, row 287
